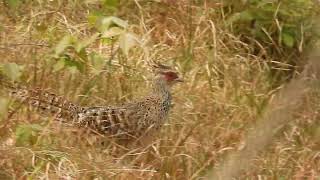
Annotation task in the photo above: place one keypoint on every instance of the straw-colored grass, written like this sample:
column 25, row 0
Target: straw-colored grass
column 228, row 88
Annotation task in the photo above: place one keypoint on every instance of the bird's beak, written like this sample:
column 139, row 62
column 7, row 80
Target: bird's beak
column 179, row 80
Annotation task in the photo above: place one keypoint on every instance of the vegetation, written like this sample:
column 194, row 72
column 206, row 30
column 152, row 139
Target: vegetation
column 235, row 57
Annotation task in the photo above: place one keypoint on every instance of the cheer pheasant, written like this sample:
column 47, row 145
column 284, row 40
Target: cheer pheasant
column 129, row 120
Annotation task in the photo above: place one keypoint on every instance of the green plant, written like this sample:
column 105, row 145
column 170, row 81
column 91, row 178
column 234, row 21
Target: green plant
column 279, row 25
column 72, row 52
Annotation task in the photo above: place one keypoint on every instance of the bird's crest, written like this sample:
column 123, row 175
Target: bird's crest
column 157, row 67
column 169, row 73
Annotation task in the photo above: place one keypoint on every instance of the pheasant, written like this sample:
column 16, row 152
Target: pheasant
column 130, row 120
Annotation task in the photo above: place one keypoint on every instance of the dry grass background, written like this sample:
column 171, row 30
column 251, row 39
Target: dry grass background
column 227, row 91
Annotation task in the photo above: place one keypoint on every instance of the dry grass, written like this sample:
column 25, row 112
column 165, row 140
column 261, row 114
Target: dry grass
column 227, row 89
column 280, row 112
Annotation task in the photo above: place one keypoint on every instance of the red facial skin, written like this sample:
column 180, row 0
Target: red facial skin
column 170, row 76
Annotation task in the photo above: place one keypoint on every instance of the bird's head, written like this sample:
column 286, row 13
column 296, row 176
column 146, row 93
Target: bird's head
column 166, row 74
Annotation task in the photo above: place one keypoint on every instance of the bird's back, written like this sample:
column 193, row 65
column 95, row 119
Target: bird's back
column 132, row 119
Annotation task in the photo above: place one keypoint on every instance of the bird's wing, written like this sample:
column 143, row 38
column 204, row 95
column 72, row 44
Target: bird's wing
column 129, row 119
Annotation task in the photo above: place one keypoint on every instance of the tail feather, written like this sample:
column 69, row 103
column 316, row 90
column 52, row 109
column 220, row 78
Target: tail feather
column 43, row 101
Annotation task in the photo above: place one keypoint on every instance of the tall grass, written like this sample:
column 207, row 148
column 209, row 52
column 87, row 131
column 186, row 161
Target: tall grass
column 228, row 88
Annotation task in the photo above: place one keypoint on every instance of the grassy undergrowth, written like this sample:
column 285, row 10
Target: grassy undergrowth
column 97, row 53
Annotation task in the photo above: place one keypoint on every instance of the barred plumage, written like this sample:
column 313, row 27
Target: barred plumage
column 129, row 120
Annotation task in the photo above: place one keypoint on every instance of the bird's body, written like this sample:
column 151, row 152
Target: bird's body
column 130, row 120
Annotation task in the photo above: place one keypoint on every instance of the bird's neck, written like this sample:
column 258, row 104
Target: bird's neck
column 161, row 88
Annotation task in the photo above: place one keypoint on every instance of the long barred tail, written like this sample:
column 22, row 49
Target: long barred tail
column 43, row 101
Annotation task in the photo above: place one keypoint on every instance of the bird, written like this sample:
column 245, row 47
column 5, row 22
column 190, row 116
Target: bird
column 129, row 120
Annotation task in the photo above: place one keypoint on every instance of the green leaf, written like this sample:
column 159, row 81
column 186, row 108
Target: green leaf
column 12, row 70
column 67, row 62
column 106, row 22
column 13, row 3
column 233, row 18
column 70, row 63
column 94, row 16
column 246, row 16
column 65, row 42
column 4, row 103
column 92, row 19
column 118, row 22
column 59, row 65
column 126, row 42
column 110, row 6
column 288, row 39
column 97, row 62
column 111, row 3
column 27, row 134
column 86, row 42
column 107, row 41
column 83, row 54
column 113, row 31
